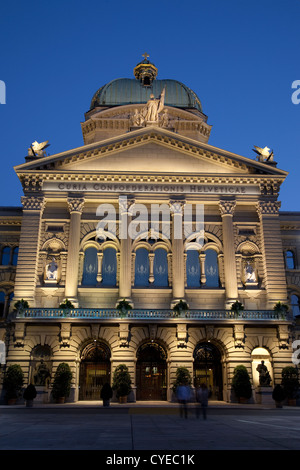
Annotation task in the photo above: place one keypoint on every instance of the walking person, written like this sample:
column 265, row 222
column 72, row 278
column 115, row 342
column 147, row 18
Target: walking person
column 183, row 396
column 202, row 399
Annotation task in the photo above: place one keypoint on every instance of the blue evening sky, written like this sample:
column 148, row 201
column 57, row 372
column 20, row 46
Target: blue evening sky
column 239, row 56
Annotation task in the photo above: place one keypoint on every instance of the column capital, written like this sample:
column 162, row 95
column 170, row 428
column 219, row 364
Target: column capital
column 125, row 204
column 75, row 204
column 268, row 207
column 227, row 207
column 33, row 203
column 177, row 205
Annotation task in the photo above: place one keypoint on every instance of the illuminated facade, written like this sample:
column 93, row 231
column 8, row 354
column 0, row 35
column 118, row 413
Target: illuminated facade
column 147, row 152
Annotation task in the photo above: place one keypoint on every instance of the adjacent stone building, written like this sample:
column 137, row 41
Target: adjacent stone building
column 148, row 211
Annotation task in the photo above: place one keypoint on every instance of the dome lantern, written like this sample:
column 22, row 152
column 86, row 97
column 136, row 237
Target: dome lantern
column 145, row 71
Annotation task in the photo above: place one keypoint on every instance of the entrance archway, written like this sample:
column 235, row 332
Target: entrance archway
column 208, row 369
column 151, row 372
column 94, row 370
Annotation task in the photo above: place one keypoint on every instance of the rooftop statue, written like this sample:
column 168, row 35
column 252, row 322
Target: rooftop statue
column 264, row 154
column 153, row 107
column 38, row 150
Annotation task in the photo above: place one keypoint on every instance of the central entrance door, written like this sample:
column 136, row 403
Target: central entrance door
column 94, row 370
column 151, row 372
column 208, row 369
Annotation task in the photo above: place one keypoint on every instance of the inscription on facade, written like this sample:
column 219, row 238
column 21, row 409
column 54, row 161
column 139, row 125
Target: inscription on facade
column 150, row 188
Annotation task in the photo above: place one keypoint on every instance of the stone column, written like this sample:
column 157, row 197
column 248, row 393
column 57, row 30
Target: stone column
column 126, row 245
column 178, row 282
column 273, row 259
column 75, row 206
column 28, row 258
column 227, row 210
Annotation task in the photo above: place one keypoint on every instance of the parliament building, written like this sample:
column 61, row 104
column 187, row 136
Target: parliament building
column 147, row 211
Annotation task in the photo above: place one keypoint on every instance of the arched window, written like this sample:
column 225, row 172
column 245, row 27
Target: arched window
column 295, row 305
column 90, row 267
column 211, row 268
column 5, row 257
column 289, row 259
column 109, row 268
column 15, row 256
column 192, row 268
column 141, row 268
column 160, row 268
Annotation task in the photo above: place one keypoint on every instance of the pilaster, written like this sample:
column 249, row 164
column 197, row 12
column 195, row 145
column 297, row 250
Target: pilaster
column 27, row 268
column 273, row 260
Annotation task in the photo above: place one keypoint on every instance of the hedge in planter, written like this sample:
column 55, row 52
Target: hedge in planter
column 241, row 383
column 13, row 381
column 121, row 381
column 62, row 382
column 183, row 376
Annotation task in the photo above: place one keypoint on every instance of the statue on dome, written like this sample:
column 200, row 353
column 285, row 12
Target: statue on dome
column 153, row 107
column 51, row 270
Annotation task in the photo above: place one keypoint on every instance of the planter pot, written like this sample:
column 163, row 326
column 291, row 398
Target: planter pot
column 60, row 400
column 106, row 402
column 292, row 401
column 29, row 403
column 278, row 404
column 123, row 399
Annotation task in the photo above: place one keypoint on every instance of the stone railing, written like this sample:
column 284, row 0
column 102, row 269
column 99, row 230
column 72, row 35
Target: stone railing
column 147, row 314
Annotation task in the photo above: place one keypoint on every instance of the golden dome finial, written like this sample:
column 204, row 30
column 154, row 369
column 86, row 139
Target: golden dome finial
column 145, row 71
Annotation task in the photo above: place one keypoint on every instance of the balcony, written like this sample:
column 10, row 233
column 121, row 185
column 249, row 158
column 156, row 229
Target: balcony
column 147, row 314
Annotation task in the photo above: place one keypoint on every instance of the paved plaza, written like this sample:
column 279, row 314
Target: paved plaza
column 151, row 427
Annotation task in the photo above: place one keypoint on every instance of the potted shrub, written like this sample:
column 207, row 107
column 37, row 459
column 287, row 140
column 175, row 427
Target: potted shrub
column 21, row 305
column 180, row 307
column 281, row 309
column 241, row 384
column 106, row 394
column 29, row 395
column 290, row 383
column 13, row 382
column 237, row 307
column 122, row 382
column 278, row 395
column 183, row 376
column 66, row 305
column 123, row 307
column 62, row 382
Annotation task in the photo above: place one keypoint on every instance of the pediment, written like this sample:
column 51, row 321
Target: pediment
column 150, row 150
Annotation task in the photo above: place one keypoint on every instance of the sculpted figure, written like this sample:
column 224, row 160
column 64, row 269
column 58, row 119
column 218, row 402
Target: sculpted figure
column 264, row 376
column 154, row 107
column 250, row 273
column 51, row 270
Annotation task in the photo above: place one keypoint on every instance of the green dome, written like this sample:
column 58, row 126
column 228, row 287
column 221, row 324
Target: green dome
column 125, row 91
